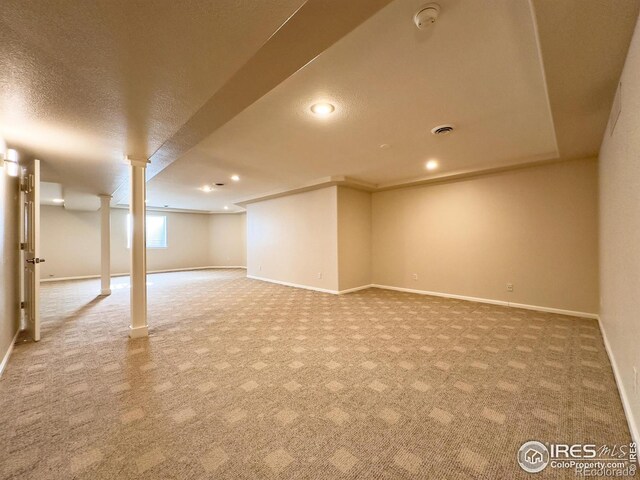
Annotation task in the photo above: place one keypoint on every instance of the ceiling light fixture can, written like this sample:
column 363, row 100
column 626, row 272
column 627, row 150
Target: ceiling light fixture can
column 12, row 168
column 12, row 155
column 322, row 109
column 432, row 165
column 235, row 178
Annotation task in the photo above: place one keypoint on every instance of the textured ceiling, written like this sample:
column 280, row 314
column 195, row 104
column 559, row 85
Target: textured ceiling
column 478, row 68
column 86, row 82
column 584, row 45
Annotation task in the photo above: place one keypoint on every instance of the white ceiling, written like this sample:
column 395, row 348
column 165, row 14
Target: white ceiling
column 88, row 82
column 584, row 44
column 478, row 68
column 85, row 83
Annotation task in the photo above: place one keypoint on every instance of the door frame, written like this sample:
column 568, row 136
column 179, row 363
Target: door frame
column 30, row 247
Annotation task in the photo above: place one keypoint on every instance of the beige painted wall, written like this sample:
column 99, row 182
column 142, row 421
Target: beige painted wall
column 187, row 242
column 534, row 227
column 71, row 242
column 293, row 239
column 227, row 239
column 354, row 238
column 9, row 263
column 620, row 236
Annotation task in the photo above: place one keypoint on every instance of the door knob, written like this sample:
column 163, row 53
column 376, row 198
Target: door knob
column 35, row 260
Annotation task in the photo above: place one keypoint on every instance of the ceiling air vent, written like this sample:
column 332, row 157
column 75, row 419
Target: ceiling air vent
column 219, row 184
column 442, row 129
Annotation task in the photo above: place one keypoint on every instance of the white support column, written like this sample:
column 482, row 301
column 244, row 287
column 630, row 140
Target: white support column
column 138, row 212
column 105, row 244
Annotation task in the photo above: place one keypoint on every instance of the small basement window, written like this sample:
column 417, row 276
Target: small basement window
column 156, row 231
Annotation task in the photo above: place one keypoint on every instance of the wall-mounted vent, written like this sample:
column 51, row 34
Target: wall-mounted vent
column 442, row 129
column 219, row 184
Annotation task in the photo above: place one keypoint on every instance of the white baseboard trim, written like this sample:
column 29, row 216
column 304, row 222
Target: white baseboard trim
column 491, row 301
column 634, row 428
column 80, row 277
column 296, row 285
column 243, row 267
column 5, row 360
column 571, row 313
column 439, row 294
column 435, row 294
column 186, row 269
column 355, row 289
column 307, row 287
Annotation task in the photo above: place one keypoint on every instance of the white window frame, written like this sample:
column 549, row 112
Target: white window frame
column 166, row 234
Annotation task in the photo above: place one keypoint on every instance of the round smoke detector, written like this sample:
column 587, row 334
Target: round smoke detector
column 442, row 129
column 426, row 16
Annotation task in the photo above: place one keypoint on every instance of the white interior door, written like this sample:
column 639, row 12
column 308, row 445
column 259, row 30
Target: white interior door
column 31, row 242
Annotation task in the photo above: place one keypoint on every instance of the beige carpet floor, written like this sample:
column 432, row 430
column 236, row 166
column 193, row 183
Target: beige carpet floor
column 242, row 379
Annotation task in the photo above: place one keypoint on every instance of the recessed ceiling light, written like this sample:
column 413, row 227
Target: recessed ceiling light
column 10, row 160
column 226, row 208
column 207, row 188
column 322, row 109
column 12, row 155
column 58, row 200
column 235, row 178
column 432, row 164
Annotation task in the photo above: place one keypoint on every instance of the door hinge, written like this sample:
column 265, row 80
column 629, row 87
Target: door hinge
column 24, row 187
column 23, row 245
column 22, row 305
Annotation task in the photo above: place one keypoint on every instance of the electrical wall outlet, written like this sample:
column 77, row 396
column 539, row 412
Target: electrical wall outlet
column 319, row 275
column 414, row 276
column 509, row 287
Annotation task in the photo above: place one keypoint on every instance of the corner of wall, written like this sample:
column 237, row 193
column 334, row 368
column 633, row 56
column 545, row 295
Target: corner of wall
column 353, row 239
column 292, row 239
column 9, row 265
